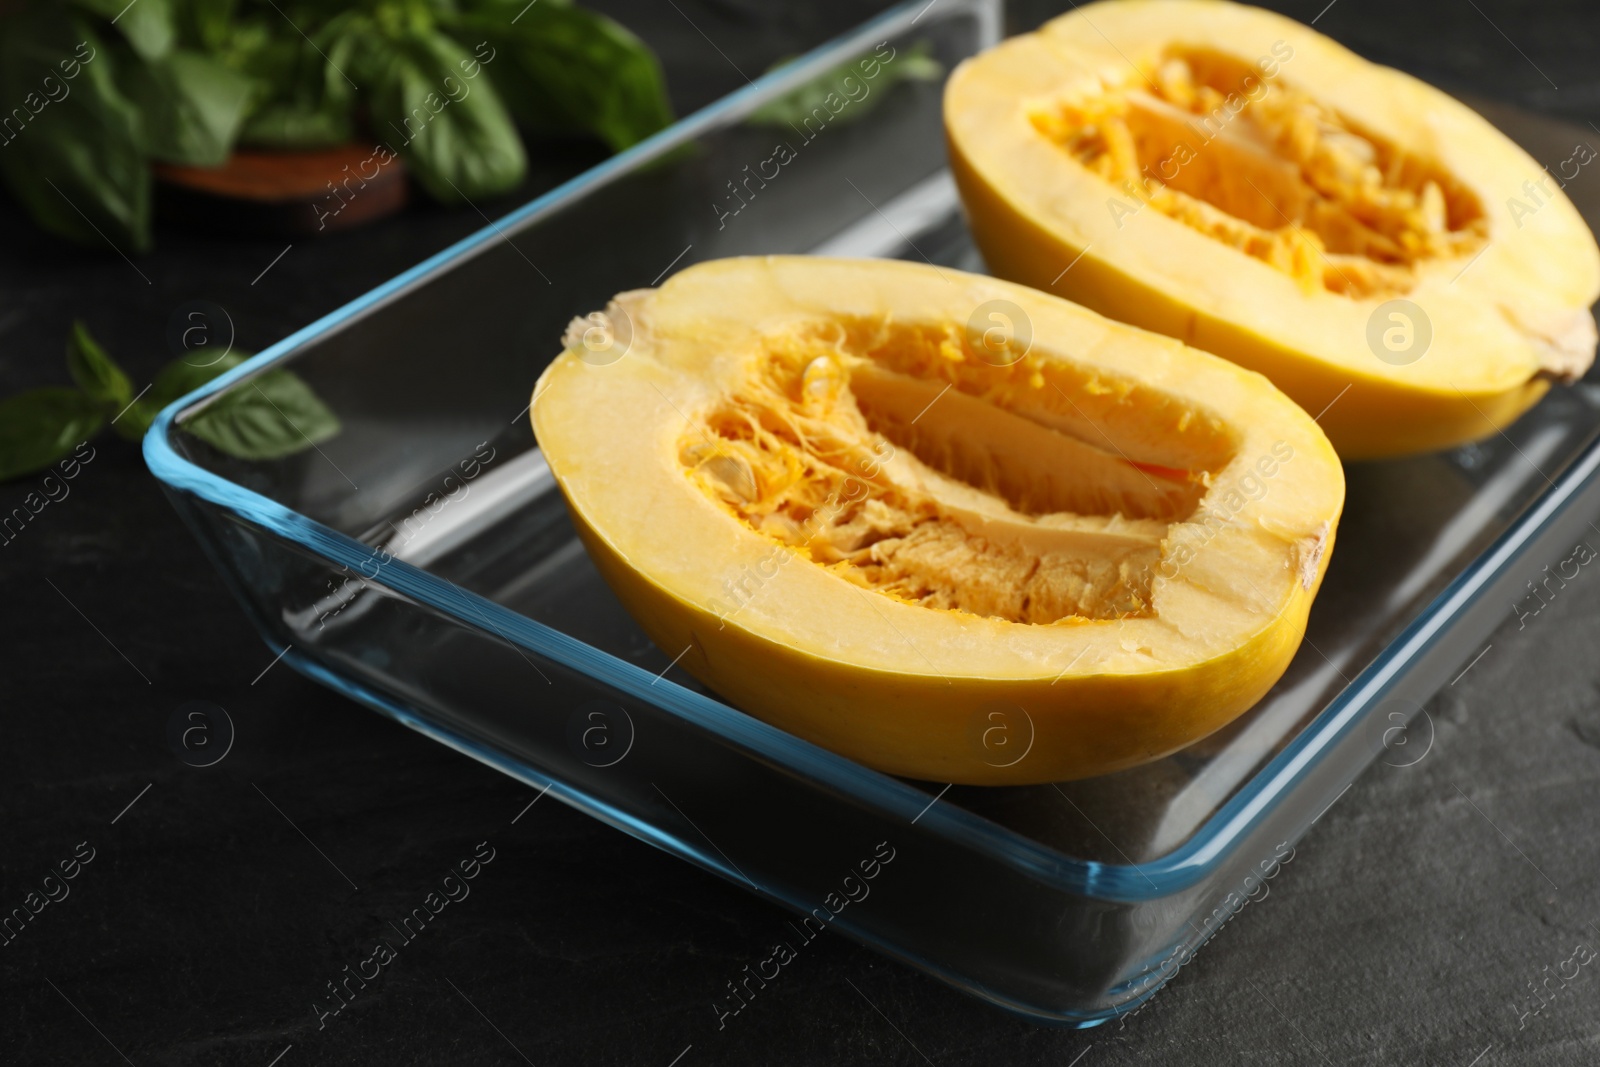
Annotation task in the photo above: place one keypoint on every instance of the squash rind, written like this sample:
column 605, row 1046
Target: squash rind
column 1504, row 323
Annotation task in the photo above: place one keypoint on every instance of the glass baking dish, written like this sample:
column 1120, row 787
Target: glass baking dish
column 421, row 561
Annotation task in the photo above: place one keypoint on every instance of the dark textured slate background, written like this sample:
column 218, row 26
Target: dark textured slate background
column 1407, row 929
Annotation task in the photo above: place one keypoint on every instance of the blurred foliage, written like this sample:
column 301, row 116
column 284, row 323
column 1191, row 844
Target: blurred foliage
column 93, row 91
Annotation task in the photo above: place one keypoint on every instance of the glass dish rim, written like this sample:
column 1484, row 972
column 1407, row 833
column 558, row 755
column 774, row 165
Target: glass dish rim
column 1206, row 849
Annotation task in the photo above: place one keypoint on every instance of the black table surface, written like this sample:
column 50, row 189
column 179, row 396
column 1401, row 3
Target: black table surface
column 1410, row 928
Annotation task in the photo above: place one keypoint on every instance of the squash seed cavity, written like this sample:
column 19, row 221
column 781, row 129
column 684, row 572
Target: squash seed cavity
column 1268, row 169
column 895, row 457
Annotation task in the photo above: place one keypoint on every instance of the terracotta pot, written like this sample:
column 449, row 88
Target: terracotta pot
column 294, row 193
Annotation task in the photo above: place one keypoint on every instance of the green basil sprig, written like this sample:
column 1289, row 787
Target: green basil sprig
column 275, row 415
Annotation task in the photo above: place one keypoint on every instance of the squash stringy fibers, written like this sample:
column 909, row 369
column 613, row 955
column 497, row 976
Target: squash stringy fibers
column 886, row 501
column 1308, row 194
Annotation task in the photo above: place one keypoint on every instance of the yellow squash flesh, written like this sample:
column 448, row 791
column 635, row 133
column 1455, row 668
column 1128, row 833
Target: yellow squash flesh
column 1231, row 178
column 854, row 511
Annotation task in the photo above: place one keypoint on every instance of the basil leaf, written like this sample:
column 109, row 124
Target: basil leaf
column 207, row 23
column 96, row 373
column 188, row 373
column 270, row 417
column 568, row 71
column 41, row 426
column 178, row 378
column 303, row 100
column 148, row 25
column 192, row 107
column 448, row 122
column 296, row 124
column 848, row 92
column 75, row 162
